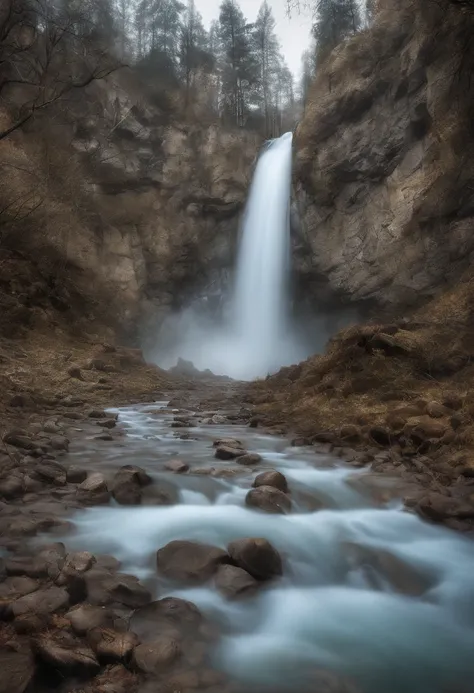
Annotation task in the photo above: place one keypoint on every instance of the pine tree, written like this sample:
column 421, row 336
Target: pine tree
column 267, row 54
column 336, row 19
column 193, row 44
column 239, row 68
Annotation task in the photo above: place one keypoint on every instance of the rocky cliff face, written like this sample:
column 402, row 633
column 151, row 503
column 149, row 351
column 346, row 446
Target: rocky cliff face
column 126, row 206
column 384, row 159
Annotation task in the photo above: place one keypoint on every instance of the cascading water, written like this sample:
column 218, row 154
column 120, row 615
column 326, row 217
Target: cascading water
column 259, row 310
column 256, row 337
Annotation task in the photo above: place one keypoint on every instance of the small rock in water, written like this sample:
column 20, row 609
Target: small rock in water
column 170, row 616
column 256, row 556
column 128, row 483
column 177, row 466
column 234, row 582
column 76, row 475
column 272, row 478
column 249, row 459
column 224, row 452
column 94, row 490
column 189, row 562
column 268, row 499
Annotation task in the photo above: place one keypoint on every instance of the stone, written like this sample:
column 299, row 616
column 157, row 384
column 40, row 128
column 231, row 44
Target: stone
column 189, row 562
column 75, row 475
column 47, row 600
column 157, row 656
column 451, row 400
column 85, row 617
column 177, row 466
column 26, row 565
column 128, row 483
column 29, row 623
column 350, row 433
column 170, row 616
column 218, row 419
column 256, row 556
column 104, row 588
column 51, row 472
column 19, row 439
column 112, row 645
column 107, row 423
column 11, row 487
column 234, row 582
column 97, row 414
column 225, row 452
column 439, row 508
column 249, row 459
column 268, row 499
column 380, row 435
column 426, row 428
column 17, row 665
column 113, row 679
column 228, row 442
column 59, row 443
column 75, row 565
column 67, row 654
column 271, row 478
column 94, row 490
column 75, row 372
column 436, row 410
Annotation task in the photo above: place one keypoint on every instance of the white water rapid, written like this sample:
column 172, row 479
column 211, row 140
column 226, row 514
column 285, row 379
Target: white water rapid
column 256, row 337
column 368, row 591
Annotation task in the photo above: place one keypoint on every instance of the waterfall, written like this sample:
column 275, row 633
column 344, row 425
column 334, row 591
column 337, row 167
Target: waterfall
column 259, row 319
column 255, row 337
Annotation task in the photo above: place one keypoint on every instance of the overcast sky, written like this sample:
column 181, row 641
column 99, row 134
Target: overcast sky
column 294, row 33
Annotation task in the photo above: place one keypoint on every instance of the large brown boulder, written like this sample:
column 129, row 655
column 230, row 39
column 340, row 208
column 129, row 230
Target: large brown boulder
column 226, row 452
column 174, row 617
column 43, row 601
column 234, row 582
column 17, row 665
column 128, row 483
column 271, row 478
column 94, row 490
column 67, row 654
column 85, row 617
column 249, row 459
column 268, row 499
column 191, row 562
column 256, row 556
column 104, row 588
column 157, row 656
column 111, row 645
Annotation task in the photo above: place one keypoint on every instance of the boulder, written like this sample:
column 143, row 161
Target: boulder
column 85, row 617
column 94, row 490
column 256, row 556
column 157, row 656
column 228, row 443
column 380, row 435
column 67, row 654
column 436, row 410
column 51, row 473
column 112, row 645
column 107, row 423
column 439, row 508
column 268, row 499
column 32, row 566
column 103, row 588
column 249, row 459
column 225, row 452
column 189, row 562
column 11, row 487
column 17, row 665
column 177, row 466
column 114, row 678
column 171, row 616
column 43, row 601
column 128, row 483
column 234, row 582
column 19, row 439
column 271, row 478
column 451, row 400
column 75, row 475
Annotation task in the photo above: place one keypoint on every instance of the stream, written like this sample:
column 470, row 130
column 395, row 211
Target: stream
column 368, row 591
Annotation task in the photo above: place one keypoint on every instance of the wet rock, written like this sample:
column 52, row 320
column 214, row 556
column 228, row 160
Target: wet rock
column 436, row 410
column 225, row 452
column 350, row 433
column 249, row 459
column 128, row 483
column 228, row 443
column 67, row 654
column 51, row 473
column 256, row 556
column 30, row 623
column 426, row 428
column 104, row 588
column 218, row 419
column 189, row 562
column 12, row 589
column 184, row 681
column 17, row 665
column 59, row 443
column 268, row 499
column 94, row 490
column 170, row 616
column 19, row 439
column 105, row 437
column 157, row 656
column 11, row 487
column 75, row 565
column 234, row 582
column 177, row 466
column 380, row 435
column 76, row 475
column 107, row 423
column 254, row 422
column 439, row 508
column 451, row 400
column 112, row 645
column 43, row 601
column 85, row 617
column 113, row 679
column 30, row 566
column 271, row 478
column 97, row 414
column 75, row 372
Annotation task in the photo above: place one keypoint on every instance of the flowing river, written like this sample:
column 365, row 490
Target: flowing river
column 368, row 591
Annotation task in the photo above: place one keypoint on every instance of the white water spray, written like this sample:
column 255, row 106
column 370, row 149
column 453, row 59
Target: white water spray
column 257, row 337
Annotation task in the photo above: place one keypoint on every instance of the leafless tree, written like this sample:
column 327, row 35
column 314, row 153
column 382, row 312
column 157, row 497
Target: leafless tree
column 47, row 50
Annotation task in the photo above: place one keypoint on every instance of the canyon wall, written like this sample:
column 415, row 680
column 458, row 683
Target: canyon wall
column 118, row 207
column 384, row 160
